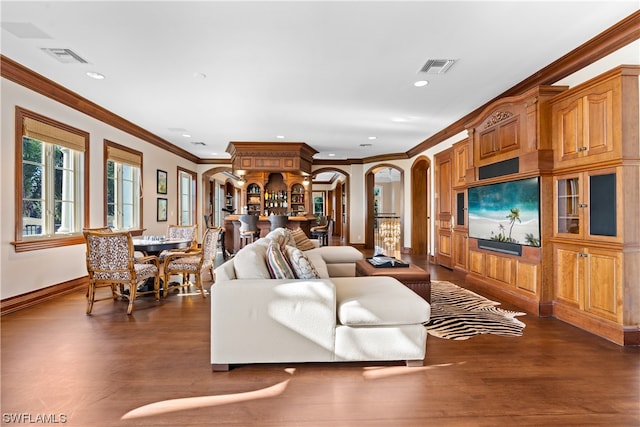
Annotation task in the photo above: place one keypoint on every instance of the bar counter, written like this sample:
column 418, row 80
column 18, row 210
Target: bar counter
column 232, row 228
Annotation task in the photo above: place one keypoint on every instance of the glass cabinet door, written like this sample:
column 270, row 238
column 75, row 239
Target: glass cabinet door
column 568, row 204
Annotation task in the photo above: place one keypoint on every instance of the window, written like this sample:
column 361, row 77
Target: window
column 123, row 184
column 51, row 195
column 186, row 197
column 318, row 203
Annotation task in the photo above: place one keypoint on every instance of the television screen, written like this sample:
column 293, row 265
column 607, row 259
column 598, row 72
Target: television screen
column 507, row 212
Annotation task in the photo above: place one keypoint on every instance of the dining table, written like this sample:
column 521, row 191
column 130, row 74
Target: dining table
column 154, row 246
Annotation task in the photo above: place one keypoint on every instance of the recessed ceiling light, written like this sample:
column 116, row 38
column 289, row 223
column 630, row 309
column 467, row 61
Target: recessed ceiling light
column 371, row 138
column 280, row 136
column 331, row 155
column 95, row 75
column 421, row 83
column 186, row 135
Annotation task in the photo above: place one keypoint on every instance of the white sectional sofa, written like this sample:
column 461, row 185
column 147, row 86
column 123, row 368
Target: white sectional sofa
column 258, row 319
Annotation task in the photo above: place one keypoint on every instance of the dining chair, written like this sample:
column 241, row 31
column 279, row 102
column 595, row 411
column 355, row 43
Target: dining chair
column 196, row 263
column 180, row 232
column 111, row 264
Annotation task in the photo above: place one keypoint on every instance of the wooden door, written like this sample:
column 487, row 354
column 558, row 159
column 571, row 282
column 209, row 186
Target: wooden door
column 444, row 210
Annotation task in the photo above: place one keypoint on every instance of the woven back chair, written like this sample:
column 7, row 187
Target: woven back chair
column 111, row 264
column 195, row 263
column 181, row 232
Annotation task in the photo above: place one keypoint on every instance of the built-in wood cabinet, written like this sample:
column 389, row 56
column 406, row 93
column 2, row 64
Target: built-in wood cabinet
column 460, row 163
column 590, row 122
column 584, row 145
column 514, row 128
column 589, row 279
column 254, row 198
column 444, row 208
column 277, row 193
column 587, row 205
column 596, row 205
column 298, row 199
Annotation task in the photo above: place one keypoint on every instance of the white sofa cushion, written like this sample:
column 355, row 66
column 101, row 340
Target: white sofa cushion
column 318, row 264
column 403, row 342
column 380, row 300
column 270, row 321
column 251, row 263
column 302, row 267
column 338, row 254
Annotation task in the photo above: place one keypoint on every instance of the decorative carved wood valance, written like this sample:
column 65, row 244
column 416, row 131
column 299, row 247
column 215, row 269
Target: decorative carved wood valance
column 271, row 156
column 497, row 117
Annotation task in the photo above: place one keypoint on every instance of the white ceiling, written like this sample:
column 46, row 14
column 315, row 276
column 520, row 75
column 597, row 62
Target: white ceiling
column 328, row 73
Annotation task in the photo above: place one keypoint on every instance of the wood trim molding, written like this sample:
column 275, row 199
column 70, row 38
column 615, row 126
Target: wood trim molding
column 23, row 76
column 607, row 42
column 18, row 302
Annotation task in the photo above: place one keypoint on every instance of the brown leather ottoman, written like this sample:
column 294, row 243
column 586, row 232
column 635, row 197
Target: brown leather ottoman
column 413, row 277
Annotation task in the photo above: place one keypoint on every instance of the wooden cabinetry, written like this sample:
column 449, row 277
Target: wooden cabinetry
column 596, row 203
column 276, row 193
column 254, row 198
column 586, row 205
column 517, row 278
column 298, row 198
column 514, row 128
column 591, row 121
column 444, row 208
column 589, row 279
column 460, row 163
column 460, row 233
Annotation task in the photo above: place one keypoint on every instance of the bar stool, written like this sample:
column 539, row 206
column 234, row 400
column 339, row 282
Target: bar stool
column 249, row 231
column 278, row 221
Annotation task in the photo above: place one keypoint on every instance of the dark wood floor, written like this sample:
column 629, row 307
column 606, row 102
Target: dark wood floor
column 152, row 369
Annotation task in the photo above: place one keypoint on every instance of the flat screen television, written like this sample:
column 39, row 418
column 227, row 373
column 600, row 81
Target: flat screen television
column 505, row 216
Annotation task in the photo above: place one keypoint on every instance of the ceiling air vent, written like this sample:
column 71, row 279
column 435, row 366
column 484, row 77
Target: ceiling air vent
column 66, row 56
column 198, row 143
column 437, row 66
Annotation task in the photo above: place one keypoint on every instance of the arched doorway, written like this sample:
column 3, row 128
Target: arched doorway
column 210, row 192
column 420, row 217
column 333, row 184
column 385, row 202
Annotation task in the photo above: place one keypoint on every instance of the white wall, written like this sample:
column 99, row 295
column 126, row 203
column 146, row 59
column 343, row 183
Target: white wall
column 28, row 271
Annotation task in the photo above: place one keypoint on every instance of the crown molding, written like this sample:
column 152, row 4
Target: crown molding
column 23, row 76
column 605, row 43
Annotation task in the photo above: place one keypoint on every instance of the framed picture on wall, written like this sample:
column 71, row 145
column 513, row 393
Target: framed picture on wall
column 162, row 209
column 162, row 182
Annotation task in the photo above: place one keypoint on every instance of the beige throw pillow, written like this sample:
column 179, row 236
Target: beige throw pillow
column 302, row 267
column 302, row 241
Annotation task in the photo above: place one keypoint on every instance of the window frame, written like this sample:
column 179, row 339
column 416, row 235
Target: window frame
column 36, row 243
column 106, row 158
column 194, row 196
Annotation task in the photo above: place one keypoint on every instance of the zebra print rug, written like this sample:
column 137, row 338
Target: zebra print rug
column 459, row 314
